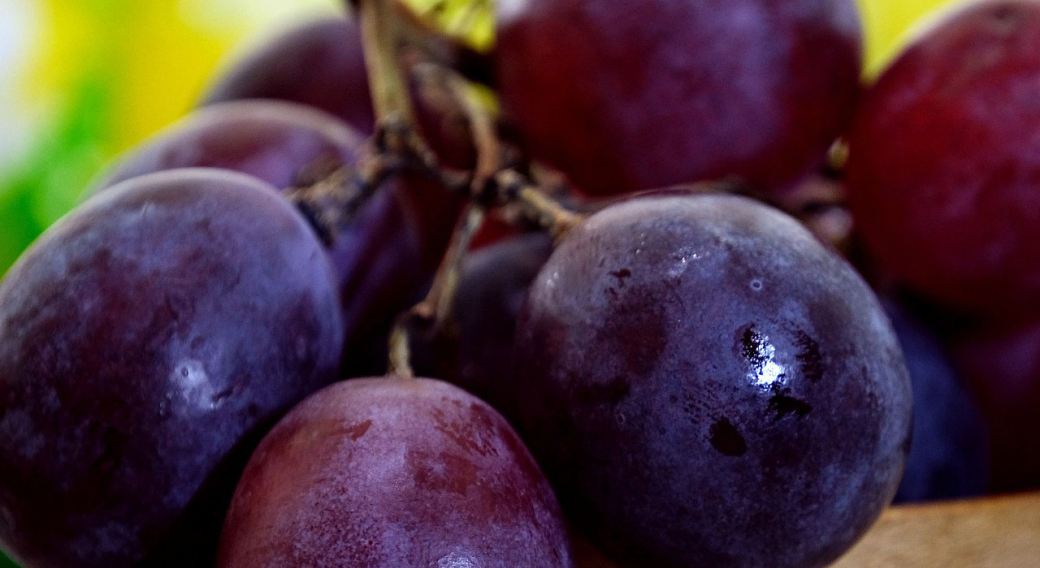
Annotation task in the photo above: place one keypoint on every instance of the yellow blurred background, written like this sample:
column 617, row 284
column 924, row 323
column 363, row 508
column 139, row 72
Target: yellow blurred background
column 82, row 80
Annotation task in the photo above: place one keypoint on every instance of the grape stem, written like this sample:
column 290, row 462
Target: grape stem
column 330, row 198
column 382, row 35
column 415, row 32
column 434, row 310
column 392, row 35
column 533, row 204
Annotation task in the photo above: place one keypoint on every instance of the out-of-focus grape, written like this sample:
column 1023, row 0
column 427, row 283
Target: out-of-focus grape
column 319, row 64
column 944, row 165
column 949, row 456
column 1001, row 366
column 635, row 94
column 281, row 143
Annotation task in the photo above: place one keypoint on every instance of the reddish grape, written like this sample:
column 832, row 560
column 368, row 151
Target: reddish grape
column 146, row 340
column 319, row 64
column 393, row 473
column 1002, row 370
column 708, row 385
column 944, row 164
column 636, row 94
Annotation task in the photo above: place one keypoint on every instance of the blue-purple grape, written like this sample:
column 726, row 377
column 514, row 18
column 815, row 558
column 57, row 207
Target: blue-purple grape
column 949, row 455
column 147, row 340
column 708, row 385
column 382, row 258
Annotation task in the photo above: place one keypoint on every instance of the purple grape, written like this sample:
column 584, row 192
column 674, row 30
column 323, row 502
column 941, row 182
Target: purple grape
column 637, row 94
column 393, row 473
column 949, row 454
column 382, row 259
column 146, row 341
column 476, row 352
column 320, row 64
column 278, row 142
column 944, row 164
column 708, row 385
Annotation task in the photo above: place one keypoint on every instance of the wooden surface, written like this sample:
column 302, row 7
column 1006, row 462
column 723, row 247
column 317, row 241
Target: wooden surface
column 992, row 533
column 999, row 532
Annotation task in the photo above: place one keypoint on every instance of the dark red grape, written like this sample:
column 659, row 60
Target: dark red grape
column 393, row 473
column 319, row 64
column 1001, row 366
column 382, row 259
column 944, row 164
column 949, row 456
column 708, row 385
column 476, row 351
column 146, row 341
column 636, row 94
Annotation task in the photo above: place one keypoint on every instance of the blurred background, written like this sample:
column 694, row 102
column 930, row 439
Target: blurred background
column 83, row 80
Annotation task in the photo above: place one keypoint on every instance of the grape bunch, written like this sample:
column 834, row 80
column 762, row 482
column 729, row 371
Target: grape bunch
column 281, row 332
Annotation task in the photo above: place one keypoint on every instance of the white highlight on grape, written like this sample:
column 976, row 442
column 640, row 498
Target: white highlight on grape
column 195, row 384
column 457, row 560
column 769, row 372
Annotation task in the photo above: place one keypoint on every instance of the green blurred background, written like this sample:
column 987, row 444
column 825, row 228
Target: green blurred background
column 83, row 80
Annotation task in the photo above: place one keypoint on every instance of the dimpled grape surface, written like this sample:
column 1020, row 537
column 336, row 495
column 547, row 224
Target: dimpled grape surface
column 146, row 342
column 707, row 385
column 638, row 94
column 393, row 473
column 944, row 164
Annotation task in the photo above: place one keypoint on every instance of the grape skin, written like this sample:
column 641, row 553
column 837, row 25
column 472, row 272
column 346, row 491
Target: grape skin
column 944, row 164
column 949, row 454
column 278, row 142
column 1001, row 367
column 637, row 94
column 146, row 341
column 475, row 352
column 319, row 64
column 393, row 473
column 707, row 385
column 382, row 258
